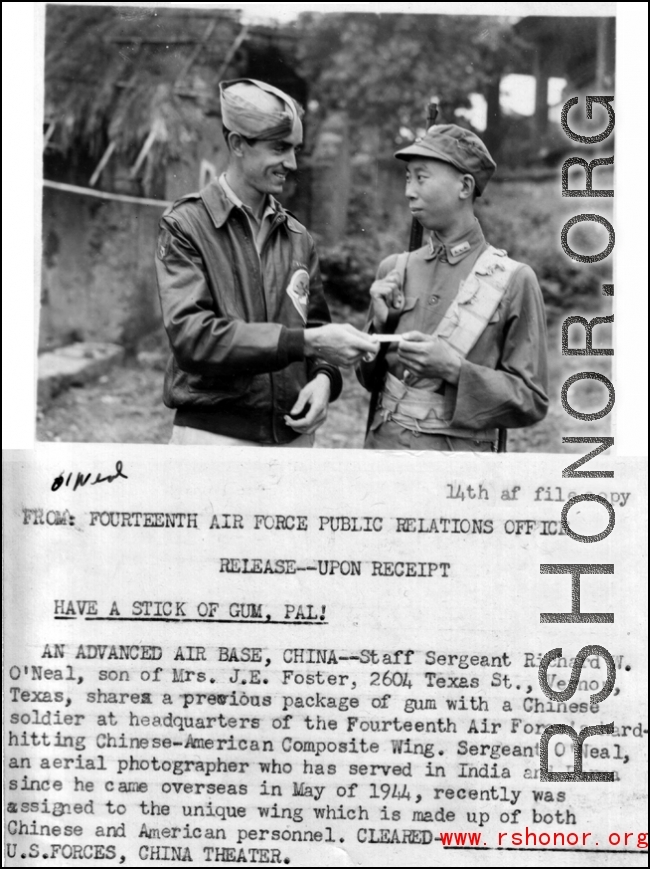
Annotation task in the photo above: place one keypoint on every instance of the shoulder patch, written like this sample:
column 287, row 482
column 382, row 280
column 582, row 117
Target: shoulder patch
column 298, row 290
column 164, row 240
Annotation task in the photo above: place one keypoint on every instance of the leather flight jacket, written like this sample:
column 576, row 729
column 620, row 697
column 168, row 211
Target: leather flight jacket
column 233, row 318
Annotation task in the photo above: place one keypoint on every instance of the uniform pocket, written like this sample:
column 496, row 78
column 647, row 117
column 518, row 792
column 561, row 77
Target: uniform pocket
column 225, row 385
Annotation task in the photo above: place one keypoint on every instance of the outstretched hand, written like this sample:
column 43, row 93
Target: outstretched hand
column 340, row 344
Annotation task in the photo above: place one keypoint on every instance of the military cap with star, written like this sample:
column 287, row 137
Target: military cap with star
column 457, row 146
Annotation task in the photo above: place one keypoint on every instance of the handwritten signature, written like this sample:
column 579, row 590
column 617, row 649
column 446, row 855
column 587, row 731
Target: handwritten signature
column 76, row 482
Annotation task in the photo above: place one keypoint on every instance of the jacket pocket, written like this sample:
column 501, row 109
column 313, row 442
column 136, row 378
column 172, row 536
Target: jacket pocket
column 222, row 385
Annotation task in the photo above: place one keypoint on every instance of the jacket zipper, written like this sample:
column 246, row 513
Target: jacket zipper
column 276, row 222
column 274, row 225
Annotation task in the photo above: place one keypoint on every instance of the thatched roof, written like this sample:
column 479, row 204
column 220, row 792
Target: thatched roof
column 122, row 75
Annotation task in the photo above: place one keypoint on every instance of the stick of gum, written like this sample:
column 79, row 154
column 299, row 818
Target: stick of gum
column 386, row 339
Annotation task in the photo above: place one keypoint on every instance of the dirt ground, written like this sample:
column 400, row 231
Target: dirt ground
column 125, row 405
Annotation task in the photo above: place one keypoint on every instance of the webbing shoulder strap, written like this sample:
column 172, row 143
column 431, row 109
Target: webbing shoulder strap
column 395, row 312
column 477, row 300
column 400, row 266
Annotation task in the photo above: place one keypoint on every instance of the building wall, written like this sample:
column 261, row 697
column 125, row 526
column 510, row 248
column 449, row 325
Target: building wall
column 98, row 281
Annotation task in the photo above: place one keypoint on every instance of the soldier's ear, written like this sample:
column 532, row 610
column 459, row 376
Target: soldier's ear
column 236, row 144
column 468, row 187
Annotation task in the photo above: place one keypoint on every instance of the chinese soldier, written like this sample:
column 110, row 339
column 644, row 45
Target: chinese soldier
column 469, row 355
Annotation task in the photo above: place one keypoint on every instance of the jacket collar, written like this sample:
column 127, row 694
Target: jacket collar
column 220, row 207
column 456, row 249
column 270, row 204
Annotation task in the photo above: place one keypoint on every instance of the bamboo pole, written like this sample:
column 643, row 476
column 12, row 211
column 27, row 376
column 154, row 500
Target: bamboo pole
column 94, row 178
column 103, row 194
column 151, row 138
column 195, row 54
column 243, row 33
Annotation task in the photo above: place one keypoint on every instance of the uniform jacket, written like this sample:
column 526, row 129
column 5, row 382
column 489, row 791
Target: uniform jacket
column 503, row 380
column 236, row 335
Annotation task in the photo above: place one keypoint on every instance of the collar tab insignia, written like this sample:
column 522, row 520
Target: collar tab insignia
column 460, row 248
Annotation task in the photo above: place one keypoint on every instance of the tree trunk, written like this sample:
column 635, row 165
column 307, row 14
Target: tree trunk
column 541, row 98
column 493, row 130
column 331, row 177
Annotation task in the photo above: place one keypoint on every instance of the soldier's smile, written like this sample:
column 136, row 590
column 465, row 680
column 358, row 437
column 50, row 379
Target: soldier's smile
column 268, row 163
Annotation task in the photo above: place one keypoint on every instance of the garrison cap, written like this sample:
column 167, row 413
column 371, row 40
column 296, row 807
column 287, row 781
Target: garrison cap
column 258, row 110
column 457, row 146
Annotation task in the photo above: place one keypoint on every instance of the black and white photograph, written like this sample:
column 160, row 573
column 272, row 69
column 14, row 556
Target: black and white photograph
column 394, row 238
column 390, row 175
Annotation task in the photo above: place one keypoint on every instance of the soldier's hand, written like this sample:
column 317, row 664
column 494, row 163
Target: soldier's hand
column 386, row 294
column 427, row 356
column 314, row 397
column 340, row 344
